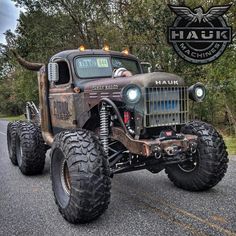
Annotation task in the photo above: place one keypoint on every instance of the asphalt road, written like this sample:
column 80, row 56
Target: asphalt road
column 141, row 204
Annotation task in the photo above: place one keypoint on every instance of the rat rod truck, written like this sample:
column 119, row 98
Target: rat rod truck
column 101, row 115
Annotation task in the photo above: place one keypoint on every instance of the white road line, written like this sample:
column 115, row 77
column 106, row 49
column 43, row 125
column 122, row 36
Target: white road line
column 2, row 133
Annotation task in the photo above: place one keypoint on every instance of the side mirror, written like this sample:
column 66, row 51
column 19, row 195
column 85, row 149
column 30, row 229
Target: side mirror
column 53, row 72
column 147, row 67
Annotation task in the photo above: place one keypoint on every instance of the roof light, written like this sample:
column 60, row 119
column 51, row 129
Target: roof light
column 126, row 51
column 82, row 48
column 106, row 47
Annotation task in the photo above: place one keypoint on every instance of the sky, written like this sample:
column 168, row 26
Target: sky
column 8, row 17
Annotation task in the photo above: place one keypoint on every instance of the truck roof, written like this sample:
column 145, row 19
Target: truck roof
column 70, row 54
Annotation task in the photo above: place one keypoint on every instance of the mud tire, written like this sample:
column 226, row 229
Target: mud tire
column 30, row 149
column 87, row 192
column 211, row 158
column 11, row 141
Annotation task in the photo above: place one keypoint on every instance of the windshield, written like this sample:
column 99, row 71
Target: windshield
column 87, row 67
column 97, row 66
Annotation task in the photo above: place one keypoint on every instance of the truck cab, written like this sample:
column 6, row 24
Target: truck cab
column 70, row 71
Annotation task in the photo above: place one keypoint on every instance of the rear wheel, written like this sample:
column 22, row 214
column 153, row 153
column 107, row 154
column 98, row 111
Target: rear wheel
column 80, row 176
column 11, row 141
column 30, row 149
column 207, row 166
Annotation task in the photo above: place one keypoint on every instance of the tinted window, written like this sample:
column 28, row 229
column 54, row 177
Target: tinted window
column 88, row 67
column 130, row 65
column 64, row 74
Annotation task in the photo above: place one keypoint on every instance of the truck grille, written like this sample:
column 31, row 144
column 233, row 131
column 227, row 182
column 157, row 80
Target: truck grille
column 166, row 106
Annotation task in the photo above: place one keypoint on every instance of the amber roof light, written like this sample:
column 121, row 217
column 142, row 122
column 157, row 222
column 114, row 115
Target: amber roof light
column 82, row 48
column 126, row 51
column 106, row 48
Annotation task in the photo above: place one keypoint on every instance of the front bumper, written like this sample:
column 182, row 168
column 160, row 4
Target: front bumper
column 157, row 147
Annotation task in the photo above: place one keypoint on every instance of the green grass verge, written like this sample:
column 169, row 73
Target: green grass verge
column 231, row 144
column 12, row 118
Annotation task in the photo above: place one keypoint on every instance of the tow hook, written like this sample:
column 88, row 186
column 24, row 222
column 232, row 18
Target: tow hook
column 157, row 153
column 192, row 147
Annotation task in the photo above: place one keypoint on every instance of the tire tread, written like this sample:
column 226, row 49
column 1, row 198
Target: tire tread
column 213, row 155
column 90, row 194
column 33, row 148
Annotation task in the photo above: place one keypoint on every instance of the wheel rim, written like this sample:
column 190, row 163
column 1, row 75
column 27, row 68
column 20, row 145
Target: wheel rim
column 190, row 165
column 19, row 151
column 61, row 179
column 65, row 177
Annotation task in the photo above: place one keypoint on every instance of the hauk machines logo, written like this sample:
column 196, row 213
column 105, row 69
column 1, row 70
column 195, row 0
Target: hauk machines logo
column 199, row 37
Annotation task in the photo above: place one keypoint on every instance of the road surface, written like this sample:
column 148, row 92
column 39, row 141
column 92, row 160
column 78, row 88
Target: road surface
column 141, row 204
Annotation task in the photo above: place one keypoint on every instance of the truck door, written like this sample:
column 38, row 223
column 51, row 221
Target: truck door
column 61, row 100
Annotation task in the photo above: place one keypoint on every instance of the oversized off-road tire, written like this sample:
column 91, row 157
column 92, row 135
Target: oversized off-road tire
column 30, row 149
column 80, row 176
column 209, row 163
column 11, row 141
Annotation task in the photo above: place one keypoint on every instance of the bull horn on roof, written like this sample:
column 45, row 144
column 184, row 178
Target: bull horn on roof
column 26, row 64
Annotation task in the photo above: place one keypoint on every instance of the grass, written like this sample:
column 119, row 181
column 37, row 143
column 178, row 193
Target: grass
column 231, row 144
column 12, row 118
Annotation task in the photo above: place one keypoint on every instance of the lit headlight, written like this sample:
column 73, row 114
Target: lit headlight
column 132, row 94
column 197, row 92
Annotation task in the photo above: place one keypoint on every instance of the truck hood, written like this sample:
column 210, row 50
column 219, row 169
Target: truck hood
column 156, row 79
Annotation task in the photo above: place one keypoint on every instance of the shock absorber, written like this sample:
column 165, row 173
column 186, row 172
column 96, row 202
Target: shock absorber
column 104, row 127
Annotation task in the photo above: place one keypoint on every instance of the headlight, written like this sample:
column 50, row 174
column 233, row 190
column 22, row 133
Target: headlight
column 197, row 92
column 132, row 94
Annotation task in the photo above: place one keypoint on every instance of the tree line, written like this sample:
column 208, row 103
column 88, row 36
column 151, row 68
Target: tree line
column 49, row 26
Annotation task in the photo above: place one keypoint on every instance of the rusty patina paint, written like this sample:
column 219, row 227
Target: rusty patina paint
column 62, row 107
column 147, row 147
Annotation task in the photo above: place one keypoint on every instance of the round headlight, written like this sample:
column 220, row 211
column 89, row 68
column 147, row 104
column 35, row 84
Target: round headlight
column 197, row 92
column 132, row 94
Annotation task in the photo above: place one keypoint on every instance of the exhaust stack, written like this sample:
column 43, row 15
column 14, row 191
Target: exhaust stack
column 26, row 64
